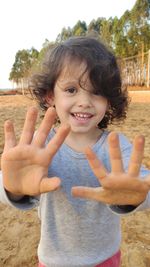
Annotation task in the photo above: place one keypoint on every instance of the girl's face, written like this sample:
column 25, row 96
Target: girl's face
column 77, row 106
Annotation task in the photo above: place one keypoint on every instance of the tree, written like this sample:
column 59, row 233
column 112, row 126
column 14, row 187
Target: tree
column 139, row 32
column 106, row 30
column 131, row 33
column 20, row 72
column 127, row 36
column 65, row 34
column 80, row 28
column 95, row 25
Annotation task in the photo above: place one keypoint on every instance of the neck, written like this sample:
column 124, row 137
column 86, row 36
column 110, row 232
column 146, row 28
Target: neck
column 79, row 141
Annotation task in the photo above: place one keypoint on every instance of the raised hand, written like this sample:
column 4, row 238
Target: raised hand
column 25, row 165
column 117, row 187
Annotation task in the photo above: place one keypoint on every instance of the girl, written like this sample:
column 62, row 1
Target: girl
column 76, row 172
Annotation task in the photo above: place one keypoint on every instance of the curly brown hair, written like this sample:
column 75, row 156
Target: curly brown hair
column 102, row 68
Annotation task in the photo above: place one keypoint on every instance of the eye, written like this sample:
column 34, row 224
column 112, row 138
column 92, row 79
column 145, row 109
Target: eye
column 71, row 90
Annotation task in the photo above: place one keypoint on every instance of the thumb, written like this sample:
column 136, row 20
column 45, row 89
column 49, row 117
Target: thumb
column 49, row 184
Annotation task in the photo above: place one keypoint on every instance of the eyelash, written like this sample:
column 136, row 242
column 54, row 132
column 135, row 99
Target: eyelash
column 71, row 90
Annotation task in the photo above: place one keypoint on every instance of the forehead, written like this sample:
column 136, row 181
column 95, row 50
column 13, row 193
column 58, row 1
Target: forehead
column 74, row 70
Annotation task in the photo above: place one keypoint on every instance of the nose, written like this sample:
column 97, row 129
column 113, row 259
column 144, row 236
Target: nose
column 84, row 99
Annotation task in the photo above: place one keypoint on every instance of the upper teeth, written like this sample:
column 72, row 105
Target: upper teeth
column 82, row 115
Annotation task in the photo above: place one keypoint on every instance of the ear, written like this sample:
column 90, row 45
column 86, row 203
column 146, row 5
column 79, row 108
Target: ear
column 50, row 99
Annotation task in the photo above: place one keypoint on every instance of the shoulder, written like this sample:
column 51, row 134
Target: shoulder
column 124, row 141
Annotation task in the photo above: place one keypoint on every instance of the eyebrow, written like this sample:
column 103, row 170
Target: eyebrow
column 64, row 82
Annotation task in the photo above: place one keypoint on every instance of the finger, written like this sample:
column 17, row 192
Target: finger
column 29, row 126
column 57, row 140
column 49, row 184
column 10, row 138
column 95, row 164
column 48, row 121
column 113, row 197
column 136, row 156
column 101, row 195
column 85, row 192
column 115, row 152
column 98, row 194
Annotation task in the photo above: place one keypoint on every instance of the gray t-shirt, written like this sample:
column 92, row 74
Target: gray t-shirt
column 77, row 232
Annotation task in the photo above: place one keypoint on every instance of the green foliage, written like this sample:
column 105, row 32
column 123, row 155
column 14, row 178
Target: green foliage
column 24, row 60
column 80, row 28
column 46, row 46
column 127, row 36
column 65, row 34
column 133, row 35
column 95, row 25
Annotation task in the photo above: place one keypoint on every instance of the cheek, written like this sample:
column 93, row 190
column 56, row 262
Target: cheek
column 103, row 108
column 61, row 106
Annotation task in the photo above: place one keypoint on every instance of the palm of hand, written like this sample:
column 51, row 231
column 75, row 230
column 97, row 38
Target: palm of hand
column 25, row 166
column 117, row 187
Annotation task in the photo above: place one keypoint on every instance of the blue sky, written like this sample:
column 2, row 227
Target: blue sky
column 27, row 23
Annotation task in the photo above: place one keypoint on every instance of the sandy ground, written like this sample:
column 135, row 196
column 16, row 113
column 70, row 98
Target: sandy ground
column 20, row 230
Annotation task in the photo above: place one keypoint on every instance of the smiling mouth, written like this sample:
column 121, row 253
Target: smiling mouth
column 82, row 116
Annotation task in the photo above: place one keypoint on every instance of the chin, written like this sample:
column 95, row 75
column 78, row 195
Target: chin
column 79, row 129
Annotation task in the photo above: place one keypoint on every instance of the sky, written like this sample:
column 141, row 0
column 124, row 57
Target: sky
column 27, row 23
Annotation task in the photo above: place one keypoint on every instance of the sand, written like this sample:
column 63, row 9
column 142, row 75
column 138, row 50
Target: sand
column 20, row 231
